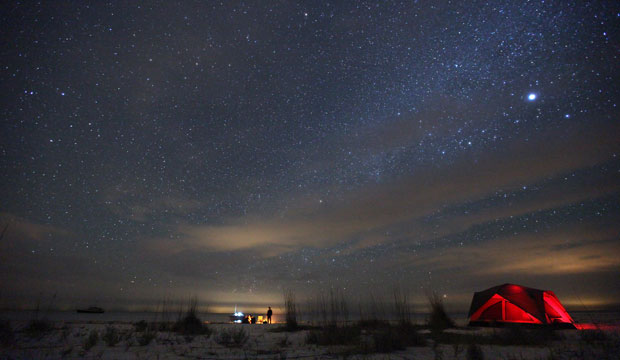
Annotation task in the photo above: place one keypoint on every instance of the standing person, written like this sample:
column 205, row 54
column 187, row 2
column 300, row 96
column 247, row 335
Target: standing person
column 269, row 313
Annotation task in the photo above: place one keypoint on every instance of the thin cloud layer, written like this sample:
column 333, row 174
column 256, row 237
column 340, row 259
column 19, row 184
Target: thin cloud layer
column 377, row 207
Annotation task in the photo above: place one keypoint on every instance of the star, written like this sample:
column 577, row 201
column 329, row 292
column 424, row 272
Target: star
column 265, row 129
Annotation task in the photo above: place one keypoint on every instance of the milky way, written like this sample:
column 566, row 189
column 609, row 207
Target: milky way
column 236, row 150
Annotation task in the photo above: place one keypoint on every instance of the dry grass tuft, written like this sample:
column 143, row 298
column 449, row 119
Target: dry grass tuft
column 190, row 324
column 38, row 327
column 111, row 336
column 233, row 337
column 439, row 319
column 290, row 308
column 91, row 340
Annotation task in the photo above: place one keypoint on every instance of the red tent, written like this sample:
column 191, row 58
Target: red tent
column 511, row 303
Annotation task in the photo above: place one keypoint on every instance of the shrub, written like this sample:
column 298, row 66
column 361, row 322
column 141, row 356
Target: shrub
column 190, row 324
column 140, row 326
column 511, row 336
column 439, row 319
column 284, row 341
column 224, row 338
column 65, row 331
column 146, row 337
column 91, row 340
column 334, row 335
column 111, row 336
column 38, row 327
column 392, row 338
column 516, row 335
column 593, row 336
column 410, row 335
column 383, row 338
column 166, row 326
column 474, row 352
column 386, row 340
column 7, row 336
column 66, row 351
column 240, row 337
column 147, row 332
column 457, row 349
column 233, row 337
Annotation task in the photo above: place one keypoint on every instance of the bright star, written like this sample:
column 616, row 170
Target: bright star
column 531, row 96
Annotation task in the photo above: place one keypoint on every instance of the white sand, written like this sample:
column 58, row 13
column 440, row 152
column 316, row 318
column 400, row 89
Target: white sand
column 67, row 340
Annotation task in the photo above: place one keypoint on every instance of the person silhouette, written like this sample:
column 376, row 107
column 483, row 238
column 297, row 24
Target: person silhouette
column 269, row 313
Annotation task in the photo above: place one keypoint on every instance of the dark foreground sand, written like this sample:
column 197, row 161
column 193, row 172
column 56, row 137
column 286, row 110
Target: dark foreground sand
column 73, row 340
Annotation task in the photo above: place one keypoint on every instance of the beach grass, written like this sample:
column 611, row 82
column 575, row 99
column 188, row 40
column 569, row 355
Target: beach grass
column 91, row 340
column 111, row 336
column 189, row 323
column 373, row 332
column 438, row 318
column 232, row 337
column 290, row 308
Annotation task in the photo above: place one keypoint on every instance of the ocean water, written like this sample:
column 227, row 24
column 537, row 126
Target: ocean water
column 596, row 317
column 108, row 316
column 589, row 317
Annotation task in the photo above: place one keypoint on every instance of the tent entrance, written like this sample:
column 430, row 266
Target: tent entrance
column 555, row 311
column 498, row 308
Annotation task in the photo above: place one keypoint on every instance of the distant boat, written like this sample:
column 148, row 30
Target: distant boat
column 91, row 310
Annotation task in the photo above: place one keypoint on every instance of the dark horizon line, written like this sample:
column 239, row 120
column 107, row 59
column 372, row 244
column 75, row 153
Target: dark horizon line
column 612, row 307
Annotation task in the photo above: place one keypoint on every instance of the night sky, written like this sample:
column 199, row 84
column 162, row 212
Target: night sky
column 235, row 150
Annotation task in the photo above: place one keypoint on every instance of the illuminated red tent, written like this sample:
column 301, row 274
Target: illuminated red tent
column 511, row 303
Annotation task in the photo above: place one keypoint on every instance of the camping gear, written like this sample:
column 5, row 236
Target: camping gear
column 516, row 304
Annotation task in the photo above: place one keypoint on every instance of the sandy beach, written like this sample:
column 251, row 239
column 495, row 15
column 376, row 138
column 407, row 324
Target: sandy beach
column 124, row 340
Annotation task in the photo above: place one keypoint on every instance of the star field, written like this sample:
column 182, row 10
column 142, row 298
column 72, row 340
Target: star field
column 237, row 149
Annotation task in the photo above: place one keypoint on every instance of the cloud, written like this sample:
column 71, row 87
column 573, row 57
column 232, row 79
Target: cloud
column 429, row 211
column 21, row 230
column 590, row 249
column 367, row 213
